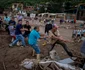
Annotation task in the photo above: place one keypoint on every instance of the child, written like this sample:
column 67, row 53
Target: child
column 12, row 31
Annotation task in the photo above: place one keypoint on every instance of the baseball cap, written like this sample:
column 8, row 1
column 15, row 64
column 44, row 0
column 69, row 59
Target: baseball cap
column 56, row 26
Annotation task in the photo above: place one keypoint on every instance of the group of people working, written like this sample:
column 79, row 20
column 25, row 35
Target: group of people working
column 33, row 35
column 20, row 32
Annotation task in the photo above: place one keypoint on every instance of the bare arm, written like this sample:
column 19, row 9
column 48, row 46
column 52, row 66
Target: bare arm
column 23, row 29
column 60, row 38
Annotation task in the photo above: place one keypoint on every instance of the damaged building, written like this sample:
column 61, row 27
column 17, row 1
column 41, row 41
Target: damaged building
column 80, row 15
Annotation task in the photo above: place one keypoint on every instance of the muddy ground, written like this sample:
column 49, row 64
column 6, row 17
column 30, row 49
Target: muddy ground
column 12, row 57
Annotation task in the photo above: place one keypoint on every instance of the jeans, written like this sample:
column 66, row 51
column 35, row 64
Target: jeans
column 36, row 48
column 19, row 38
column 64, row 47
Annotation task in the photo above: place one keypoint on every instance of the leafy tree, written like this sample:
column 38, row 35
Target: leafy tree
column 53, row 6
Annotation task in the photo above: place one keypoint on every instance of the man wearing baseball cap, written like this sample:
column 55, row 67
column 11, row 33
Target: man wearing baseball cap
column 55, row 38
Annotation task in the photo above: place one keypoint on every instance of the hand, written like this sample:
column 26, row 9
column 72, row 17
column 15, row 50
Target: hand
column 25, row 29
column 46, row 36
column 68, row 41
column 61, row 38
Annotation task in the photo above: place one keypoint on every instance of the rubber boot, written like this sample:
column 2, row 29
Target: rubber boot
column 38, row 58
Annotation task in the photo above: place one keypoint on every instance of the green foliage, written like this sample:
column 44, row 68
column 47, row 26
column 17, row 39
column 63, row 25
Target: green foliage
column 53, row 6
column 7, row 3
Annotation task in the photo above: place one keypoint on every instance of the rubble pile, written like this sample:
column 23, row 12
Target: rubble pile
column 46, row 65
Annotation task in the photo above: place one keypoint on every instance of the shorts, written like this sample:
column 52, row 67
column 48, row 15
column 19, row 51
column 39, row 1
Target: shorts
column 36, row 48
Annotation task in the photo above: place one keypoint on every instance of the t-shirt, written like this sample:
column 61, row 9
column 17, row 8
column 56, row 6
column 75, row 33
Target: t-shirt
column 7, row 19
column 28, row 27
column 83, row 47
column 18, row 31
column 19, row 17
column 13, row 22
column 11, row 30
column 51, row 34
column 33, row 37
column 56, row 33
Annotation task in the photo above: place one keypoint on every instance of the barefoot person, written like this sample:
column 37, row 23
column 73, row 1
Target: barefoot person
column 32, row 40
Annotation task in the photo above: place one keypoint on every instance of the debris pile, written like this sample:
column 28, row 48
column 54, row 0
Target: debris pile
column 46, row 65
